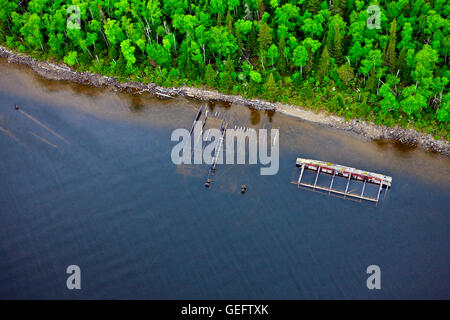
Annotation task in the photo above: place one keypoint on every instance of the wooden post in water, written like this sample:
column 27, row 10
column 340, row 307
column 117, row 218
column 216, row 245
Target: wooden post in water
column 332, row 180
column 317, row 176
column 387, row 188
column 379, row 190
column 348, row 182
column 216, row 154
column 197, row 116
column 364, row 185
column 362, row 192
column 301, row 174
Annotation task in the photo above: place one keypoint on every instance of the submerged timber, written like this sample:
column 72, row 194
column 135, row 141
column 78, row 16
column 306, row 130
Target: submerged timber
column 342, row 171
column 364, row 129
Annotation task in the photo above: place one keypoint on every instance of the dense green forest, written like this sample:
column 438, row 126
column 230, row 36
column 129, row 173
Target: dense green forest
column 388, row 65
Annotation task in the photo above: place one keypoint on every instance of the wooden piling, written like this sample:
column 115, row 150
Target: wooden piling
column 379, row 191
column 364, row 186
column 197, row 116
column 317, row 176
column 332, row 180
column 301, row 174
column 348, row 182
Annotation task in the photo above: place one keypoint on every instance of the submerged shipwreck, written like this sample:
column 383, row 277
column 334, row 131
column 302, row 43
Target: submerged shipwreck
column 342, row 171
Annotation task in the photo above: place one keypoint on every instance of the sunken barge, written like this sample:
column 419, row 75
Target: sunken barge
column 342, row 171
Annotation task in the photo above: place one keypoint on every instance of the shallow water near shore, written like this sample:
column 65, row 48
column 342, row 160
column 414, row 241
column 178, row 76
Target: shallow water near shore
column 86, row 179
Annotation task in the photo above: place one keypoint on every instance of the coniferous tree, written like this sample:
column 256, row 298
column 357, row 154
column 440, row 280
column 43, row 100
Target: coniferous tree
column 227, row 80
column 281, row 63
column 229, row 22
column 210, row 75
column 324, row 62
column 338, row 7
column 329, row 41
column 313, row 6
column 403, row 66
column 265, row 40
column 390, row 57
column 264, row 37
column 271, row 88
column 372, row 82
column 251, row 43
column 337, row 44
column 346, row 74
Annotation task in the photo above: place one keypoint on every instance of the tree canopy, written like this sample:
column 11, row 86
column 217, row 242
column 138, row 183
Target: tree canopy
column 309, row 52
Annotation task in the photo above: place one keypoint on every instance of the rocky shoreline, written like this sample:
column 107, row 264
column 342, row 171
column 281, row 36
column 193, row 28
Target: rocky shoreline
column 368, row 130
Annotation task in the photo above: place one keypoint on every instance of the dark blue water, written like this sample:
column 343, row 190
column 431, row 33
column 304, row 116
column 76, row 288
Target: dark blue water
column 100, row 191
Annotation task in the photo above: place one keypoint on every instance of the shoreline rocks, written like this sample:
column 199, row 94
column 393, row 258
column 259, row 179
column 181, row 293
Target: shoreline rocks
column 367, row 130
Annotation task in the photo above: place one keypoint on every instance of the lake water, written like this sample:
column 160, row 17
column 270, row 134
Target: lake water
column 86, row 179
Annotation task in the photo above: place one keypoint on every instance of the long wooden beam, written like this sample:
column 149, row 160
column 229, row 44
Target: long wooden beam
column 196, row 118
column 338, row 192
column 301, row 174
column 379, row 191
column 317, row 176
column 344, row 170
column 348, row 182
column 332, row 180
column 364, row 186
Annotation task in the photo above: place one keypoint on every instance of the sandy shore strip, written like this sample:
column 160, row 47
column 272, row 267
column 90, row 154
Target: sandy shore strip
column 367, row 130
